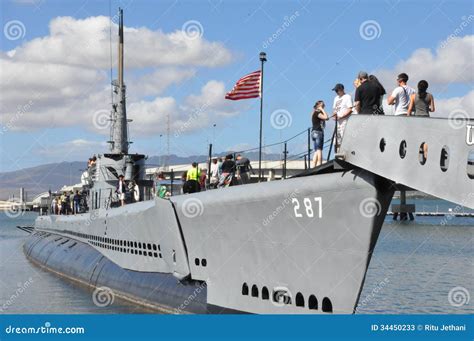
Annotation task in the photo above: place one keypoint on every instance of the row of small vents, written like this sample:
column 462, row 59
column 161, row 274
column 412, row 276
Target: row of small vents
column 326, row 305
column 125, row 246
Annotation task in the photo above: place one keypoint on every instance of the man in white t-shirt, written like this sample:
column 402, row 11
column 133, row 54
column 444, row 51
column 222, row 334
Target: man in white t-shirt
column 342, row 109
column 400, row 97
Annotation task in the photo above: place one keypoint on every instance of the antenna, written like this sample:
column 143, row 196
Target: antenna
column 119, row 128
column 168, row 129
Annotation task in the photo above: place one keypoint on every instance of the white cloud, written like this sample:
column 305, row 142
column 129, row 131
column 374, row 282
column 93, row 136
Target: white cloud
column 444, row 107
column 85, row 42
column 452, row 62
column 72, row 150
column 62, row 79
column 155, row 83
column 151, row 117
column 211, row 98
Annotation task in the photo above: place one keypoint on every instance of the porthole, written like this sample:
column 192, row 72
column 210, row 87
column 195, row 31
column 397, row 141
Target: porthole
column 327, row 305
column 299, row 300
column 423, row 153
column 265, row 293
column 204, row 262
column 382, row 145
column 402, row 150
column 254, row 291
column 444, row 159
column 196, row 261
column 245, row 289
column 470, row 165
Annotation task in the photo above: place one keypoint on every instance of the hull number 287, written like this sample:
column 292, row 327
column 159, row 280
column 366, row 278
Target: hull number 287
column 307, row 208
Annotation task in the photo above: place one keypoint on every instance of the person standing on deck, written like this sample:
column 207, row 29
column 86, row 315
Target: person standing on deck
column 367, row 96
column 121, row 188
column 318, row 118
column 135, row 191
column 228, row 171
column 400, row 96
column 243, row 168
column 76, row 201
column 383, row 92
column 214, row 174
column 421, row 103
column 192, row 178
column 202, row 179
column 54, row 209
column 342, row 109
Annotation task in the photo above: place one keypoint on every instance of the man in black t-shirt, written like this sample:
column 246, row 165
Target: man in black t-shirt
column 367, row 96
column 243, row 169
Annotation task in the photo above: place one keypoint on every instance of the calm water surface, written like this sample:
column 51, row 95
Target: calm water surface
column 414, row 269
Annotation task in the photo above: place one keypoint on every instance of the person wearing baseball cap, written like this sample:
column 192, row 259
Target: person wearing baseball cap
column 342, row 109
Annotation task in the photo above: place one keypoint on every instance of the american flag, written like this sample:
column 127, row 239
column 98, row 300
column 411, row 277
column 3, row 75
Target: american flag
column 246, row 87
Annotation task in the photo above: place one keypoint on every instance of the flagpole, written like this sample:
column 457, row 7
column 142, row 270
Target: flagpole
column 263, row 59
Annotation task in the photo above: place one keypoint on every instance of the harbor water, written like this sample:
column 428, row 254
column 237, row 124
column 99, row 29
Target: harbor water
column 424, row 266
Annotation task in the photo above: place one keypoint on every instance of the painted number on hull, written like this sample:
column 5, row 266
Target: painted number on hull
column 308, row 207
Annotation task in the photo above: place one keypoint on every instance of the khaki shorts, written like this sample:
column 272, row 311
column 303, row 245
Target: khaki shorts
column 341, row 126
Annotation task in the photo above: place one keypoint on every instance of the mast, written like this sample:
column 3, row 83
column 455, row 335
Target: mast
column 119, row 142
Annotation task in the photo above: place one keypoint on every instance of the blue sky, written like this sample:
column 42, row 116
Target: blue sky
column 321, row 44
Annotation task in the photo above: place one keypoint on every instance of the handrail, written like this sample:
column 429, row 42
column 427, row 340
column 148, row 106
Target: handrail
column 272, row 144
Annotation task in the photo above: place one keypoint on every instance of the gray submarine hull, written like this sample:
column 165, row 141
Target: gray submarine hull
column 299, row 246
